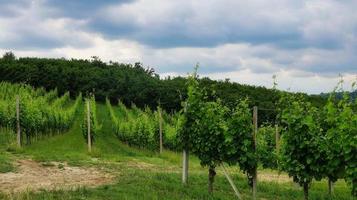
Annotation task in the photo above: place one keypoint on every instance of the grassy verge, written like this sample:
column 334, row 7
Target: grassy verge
column 69, row 146
column 140, row 184
column 6, row 163
column 7, row 141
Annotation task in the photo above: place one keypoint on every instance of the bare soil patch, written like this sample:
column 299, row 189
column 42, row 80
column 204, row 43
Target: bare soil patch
column 140, row 165
column 32, row 175
column 151, row 167
column 274, row 177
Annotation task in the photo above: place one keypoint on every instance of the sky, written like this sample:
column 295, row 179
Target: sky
column 306, row 44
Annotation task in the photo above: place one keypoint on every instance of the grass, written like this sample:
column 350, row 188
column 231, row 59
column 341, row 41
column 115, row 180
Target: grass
column 136, row 184
column 142, row 174
column 7, row 140
column 6, row 164
column 70, row 147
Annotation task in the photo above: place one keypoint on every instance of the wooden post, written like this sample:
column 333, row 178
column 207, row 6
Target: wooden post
column 160, row 126
column 18, row 121
column 277, row 138
column 184, row 166
column 231, row 182
column 185, row 158
column 255, row 131
column 277, row 143
column 88, row 126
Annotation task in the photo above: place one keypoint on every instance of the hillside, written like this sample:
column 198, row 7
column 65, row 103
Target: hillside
column 129, row 83
column 178, row 100
column 56, row 147
column 133, row 173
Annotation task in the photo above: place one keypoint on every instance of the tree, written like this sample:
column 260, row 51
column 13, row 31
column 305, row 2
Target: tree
column 132, row 83
column 9, row 56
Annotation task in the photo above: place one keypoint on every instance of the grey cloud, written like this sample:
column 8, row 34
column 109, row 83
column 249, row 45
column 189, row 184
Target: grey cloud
column 80, row 8
column 188, row 67
column 209, row 24
column 308, row 36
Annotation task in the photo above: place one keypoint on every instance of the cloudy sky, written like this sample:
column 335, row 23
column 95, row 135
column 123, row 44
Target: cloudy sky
column 307, row 44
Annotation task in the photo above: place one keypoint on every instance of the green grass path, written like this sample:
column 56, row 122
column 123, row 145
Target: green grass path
column 69, row 146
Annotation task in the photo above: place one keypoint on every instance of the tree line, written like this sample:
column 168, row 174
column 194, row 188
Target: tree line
column 130, row 83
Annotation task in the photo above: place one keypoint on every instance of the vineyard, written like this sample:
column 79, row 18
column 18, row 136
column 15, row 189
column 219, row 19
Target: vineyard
column 35, row 112
column 141, row 128
column 307, row 143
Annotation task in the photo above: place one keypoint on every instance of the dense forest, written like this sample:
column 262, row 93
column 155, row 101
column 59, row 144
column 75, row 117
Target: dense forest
column 131, row 83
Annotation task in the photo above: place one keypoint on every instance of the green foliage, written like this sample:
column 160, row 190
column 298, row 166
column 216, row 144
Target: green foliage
column 204, row 128
column 132, row 83
column 9, row 57
column 170, row 130
column 38, row 116
column 239, row 140
column 266, row 146
column 215, row 135
column 138, row 171
column 6, row 163
column 140, row 128
column 340, row 133
column 301, row 155
column 351, row 152
column 62, row 101
column 191, row 112
column 208, row 137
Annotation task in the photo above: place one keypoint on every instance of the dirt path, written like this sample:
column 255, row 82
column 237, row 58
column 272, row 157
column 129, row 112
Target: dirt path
column 33, row 176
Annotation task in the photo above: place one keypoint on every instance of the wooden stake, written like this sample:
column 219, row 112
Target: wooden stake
column 277, row 138
column 18, row 121
column 185, row 166
column 88, row 126
column 277, row 143
column 185, row 158
column 231, row 182
column 160, row 125
column 255, row 131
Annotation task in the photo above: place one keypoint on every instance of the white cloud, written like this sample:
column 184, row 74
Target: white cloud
column 32, row 28
column 306, row 43
column 288, row 80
